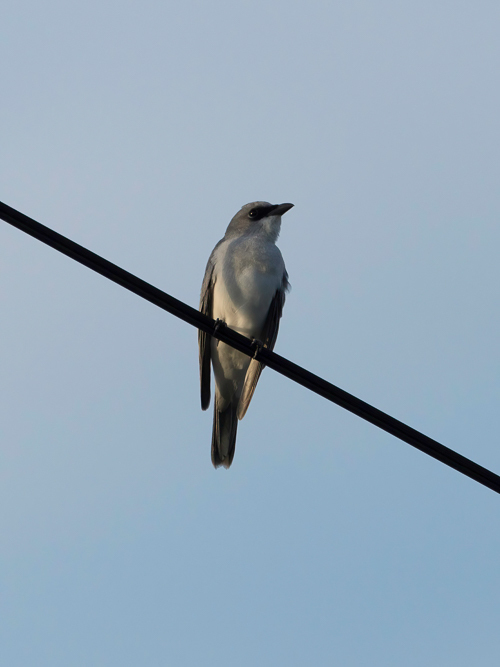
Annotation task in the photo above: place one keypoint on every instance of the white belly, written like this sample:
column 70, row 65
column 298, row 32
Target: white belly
column 244, row 304
column 247, row 279
column 243, row 291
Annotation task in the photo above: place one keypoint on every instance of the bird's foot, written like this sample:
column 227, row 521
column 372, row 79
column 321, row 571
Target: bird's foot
column 258, row 345
column 219, row 324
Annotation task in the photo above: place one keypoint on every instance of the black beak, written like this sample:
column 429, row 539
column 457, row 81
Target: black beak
column 279, row 209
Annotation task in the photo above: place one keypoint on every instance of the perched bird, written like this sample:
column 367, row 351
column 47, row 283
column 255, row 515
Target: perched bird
column 244, row 287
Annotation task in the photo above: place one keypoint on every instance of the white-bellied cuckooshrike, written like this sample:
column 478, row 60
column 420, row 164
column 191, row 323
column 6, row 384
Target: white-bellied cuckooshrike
column 244, row 287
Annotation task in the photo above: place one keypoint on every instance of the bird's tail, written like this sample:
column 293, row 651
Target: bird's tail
column 223, row 434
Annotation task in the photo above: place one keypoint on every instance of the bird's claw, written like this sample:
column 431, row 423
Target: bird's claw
column 258, row 345
column 218, row 325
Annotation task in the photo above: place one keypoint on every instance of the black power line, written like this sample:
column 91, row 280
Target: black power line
column 243, row 344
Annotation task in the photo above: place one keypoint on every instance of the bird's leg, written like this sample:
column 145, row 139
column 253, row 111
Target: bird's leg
column 218, row 325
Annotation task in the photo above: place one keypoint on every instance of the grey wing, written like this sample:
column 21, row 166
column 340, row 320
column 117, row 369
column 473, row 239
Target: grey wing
column 272, row 323
column 204, row 340
column 269, row 335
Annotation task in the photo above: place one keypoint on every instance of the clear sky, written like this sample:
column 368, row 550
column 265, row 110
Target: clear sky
column 138, row 130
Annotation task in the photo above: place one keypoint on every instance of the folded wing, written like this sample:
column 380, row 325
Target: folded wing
column 204, row 339
column 268, row 338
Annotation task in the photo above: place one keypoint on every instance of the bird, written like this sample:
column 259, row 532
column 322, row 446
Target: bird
column 244, row 288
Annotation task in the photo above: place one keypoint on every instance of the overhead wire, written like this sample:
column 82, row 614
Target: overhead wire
column 278, row 363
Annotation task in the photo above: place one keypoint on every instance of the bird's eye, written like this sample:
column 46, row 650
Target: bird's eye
column 253, row 213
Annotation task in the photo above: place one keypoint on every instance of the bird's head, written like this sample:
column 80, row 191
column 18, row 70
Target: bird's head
column 258, row 216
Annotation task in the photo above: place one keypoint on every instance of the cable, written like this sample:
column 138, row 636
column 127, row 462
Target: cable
column 287, row 368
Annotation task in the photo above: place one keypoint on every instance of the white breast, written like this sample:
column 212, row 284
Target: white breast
column 248, row 274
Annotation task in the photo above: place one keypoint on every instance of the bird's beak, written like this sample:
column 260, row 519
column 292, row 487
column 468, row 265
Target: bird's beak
column 279, row 209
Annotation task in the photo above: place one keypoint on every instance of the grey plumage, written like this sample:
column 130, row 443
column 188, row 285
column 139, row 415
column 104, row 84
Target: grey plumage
column 244, row 286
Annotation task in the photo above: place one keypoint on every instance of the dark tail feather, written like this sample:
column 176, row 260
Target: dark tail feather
column 223, row 435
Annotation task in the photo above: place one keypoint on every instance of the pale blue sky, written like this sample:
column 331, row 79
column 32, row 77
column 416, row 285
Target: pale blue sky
column 138, row 130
